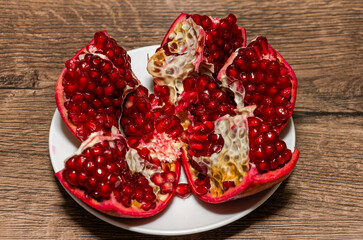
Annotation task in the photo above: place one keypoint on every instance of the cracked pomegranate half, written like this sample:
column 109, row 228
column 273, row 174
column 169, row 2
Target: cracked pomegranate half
column 194, row 44
column 265, row 79
column 89, row 90
column 231, row 153
column 112, row 177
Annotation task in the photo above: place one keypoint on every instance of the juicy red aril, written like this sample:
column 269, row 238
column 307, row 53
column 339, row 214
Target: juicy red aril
column 158, row 179
column 167, row 187
column 183, row 190
column 202, row 186
column 71, row 177
column 267, row 151
column 228, row 184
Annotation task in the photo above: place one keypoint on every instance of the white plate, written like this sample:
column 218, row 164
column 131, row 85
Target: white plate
column 182, row 216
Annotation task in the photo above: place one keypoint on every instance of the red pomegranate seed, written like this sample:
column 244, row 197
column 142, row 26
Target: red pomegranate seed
column 158, row 179
column 104, row 189
column 166, row 188
column 70, row 163
column 228, row 184
column 170, row 176
column 71, row 177
column 183, row 190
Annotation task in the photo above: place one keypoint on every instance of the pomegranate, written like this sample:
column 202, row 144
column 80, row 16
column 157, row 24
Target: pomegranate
column 194, row 44
column 183, row 190
column 218, row 108
column 266, row 80
column 231, row 153
column 89, row 90
column 113, row 178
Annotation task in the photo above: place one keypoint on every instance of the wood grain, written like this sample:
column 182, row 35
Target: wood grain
column 322, row 40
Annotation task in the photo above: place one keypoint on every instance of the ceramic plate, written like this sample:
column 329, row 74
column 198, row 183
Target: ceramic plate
column 182, row 216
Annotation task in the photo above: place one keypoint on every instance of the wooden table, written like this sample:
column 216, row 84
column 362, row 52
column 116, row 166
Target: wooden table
column 322, row 199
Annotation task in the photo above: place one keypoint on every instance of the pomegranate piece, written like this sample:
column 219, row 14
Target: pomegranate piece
column 111, row 177
column 194, row 44
column 251, row 159
column 231, row 153
column 267, row 80
column 89, row 90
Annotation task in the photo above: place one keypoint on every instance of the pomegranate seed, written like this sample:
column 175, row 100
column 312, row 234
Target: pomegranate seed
column 166, row 188
column 158, row 179
column 202, row 189
column 146, row 206
column 263, row 166
column 100, row 40
column 104, row 189
column 189, row 83
column 100, row 174
column 228, row 184
column 280, row 146
column 126, row 201
column 128, row 191
column 82, row 178
column 91, row 183
column 274, row 164
column 288, row 154
column 232, row 72
column 281, row 112
column 183, row 190
column 170, row 176
column 270, row 136
column 257, row 154
column 70, row 163
column 149, row 196
column 281, row 159
column 71, row 177
column 80, row 161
